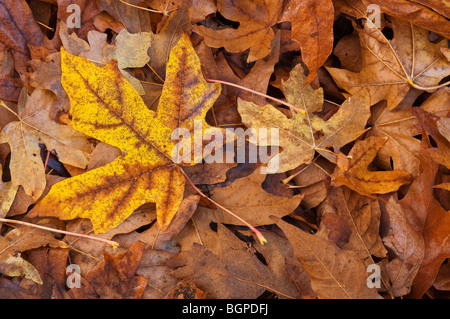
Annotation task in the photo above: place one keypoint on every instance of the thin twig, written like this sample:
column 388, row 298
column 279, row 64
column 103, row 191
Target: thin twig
column 302, row 111
column 105, row 241
column 258, row 234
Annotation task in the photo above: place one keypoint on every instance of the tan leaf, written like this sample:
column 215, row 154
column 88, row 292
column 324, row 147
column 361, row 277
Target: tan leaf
column 362, row 217
column 407, row 245
column 35, row 127
column 254, row 204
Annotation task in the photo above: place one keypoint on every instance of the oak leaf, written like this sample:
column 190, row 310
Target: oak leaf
column 303, row 134
column 105, row 106
column 352, row 170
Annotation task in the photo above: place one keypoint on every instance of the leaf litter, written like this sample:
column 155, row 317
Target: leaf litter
column 359, row 179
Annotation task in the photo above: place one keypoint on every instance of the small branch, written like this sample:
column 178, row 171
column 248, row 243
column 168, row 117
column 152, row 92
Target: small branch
column 105, row 241
column 258, row 234
column 302, row 111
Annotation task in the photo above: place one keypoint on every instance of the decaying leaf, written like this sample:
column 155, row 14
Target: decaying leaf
column 234, row 272
column 114, row 277
column 359, row 217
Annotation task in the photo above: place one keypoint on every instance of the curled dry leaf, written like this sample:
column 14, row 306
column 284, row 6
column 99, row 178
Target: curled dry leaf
column 353, row 170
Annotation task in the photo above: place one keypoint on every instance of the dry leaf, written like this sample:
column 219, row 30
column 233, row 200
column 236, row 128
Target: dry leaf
column 301, row 135
column 334, row 273
column 388, row 70
column 35, row 127
column 254, row 205
column 105, row 106
column 19, row 240
column 353, row 170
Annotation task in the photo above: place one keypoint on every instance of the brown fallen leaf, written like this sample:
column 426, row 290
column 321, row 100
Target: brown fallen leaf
column 312, row 28
column 19, row 32
column 167, row 37
column 19, row 240
column 352, row 170
column 185, row 289
column 51, row 265
column 255, row 27
column 230, row 272
column 387, row 69
column 441, row 153
column 156, row 238
column 334, row 273
column 133, row 19
column 428, row 14
column 428, row 218
column 400, row 126
column 360, row 218
column 254, row 205
column 114, row 277
column 405, row 242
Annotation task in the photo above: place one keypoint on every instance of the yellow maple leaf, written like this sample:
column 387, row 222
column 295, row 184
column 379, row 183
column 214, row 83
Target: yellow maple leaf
column 105, row 106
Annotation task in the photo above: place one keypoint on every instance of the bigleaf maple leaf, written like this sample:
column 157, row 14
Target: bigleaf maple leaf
column 105, row 106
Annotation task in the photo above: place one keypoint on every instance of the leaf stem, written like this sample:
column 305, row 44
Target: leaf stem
column 105, row 241
column 258, row 234
column 164, row 12
column 302, row 111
